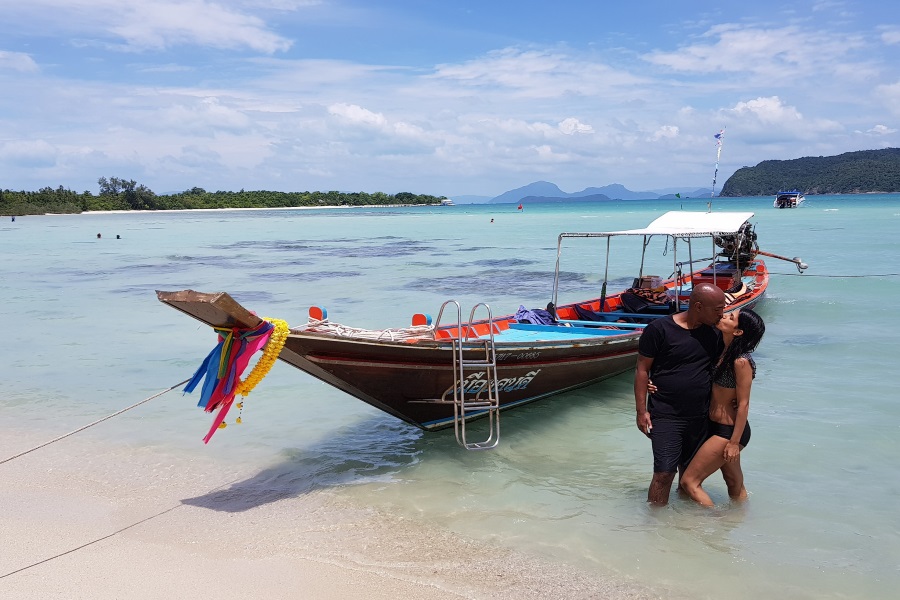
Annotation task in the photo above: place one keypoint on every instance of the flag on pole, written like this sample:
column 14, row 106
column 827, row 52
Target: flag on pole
column 719, row 137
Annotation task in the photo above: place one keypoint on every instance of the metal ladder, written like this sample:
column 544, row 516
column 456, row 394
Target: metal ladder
column 465, row 406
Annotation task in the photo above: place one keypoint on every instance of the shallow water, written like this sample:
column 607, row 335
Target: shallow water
column 86, row 337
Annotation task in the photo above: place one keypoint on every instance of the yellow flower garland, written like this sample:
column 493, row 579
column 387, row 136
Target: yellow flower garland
column 270, row 353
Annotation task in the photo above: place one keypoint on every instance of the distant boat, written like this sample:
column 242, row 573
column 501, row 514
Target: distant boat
column 788, row 199
column 447, row 202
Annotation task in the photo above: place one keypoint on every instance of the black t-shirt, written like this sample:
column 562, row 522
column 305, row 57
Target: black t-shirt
column 682, row 366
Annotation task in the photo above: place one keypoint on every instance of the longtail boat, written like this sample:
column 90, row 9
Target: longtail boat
column 436, row 376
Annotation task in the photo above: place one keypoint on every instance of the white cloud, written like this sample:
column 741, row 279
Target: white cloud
column 890, row 36
column 373, row 133
column 572, row 126
column 546, row 154
column 769, row 121
column 158, row 25
column 510, row 131
column 776, row 53
column 169, row 68
column 138, row 25
column 768, row 110
column 666, row 131
column 29, row 153
column 881, row 130
column 357, row 114
column 889, row 95
column 545, row 73
column 17, row 61
column 205, row 116
column 284, row 5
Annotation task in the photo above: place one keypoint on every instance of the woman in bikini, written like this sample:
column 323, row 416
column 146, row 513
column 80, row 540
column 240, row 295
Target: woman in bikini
column 729, row 431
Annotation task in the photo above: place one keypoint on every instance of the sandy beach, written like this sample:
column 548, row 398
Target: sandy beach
column 249, row 208
column 86, row 520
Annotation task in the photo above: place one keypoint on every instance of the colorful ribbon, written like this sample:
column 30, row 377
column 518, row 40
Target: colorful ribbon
column 223, row 366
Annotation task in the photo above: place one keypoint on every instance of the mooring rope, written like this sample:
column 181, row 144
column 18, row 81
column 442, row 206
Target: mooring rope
column 393, row 334
column 135, row 405
column 118, row 531
column 871, row 275
column 40, row 562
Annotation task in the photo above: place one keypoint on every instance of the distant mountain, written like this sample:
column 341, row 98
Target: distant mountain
column 538, row 199
column 670, row 192
column 471, row 199
column 544, row 191
column 701, row 193
column 538, row 188
column 849, row 173
column 617, row 191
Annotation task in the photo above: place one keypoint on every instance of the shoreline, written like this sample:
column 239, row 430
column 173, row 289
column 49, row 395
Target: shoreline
column 323, row 207
column 87, row 520
column 178, row 210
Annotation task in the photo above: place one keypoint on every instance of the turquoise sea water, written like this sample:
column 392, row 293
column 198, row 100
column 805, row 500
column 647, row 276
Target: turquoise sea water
column 85, row 336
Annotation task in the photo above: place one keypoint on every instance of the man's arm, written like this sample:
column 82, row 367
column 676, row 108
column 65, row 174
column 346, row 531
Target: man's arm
column 641, row 377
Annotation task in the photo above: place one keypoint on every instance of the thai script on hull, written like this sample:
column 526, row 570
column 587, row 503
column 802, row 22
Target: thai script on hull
column 477, row 382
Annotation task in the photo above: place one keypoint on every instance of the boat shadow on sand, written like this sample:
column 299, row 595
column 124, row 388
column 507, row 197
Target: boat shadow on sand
column 382, row 448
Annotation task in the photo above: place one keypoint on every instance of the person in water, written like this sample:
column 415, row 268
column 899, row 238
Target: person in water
column 677, row 352
column 729, row 431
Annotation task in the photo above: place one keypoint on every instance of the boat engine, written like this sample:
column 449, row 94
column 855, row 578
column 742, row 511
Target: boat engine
column 740, row 247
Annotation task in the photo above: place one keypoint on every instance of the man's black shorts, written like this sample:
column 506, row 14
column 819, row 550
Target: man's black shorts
column 675, row 441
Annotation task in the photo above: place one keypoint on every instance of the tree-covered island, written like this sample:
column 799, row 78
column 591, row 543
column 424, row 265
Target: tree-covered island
column 861, row 172
column 122, row 194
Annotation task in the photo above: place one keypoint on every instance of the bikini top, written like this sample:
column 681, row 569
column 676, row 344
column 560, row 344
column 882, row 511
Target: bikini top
column 725, row 377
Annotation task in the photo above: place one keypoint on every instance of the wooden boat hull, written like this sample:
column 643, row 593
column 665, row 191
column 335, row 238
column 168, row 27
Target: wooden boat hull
column 409, row 380
column 413, row 379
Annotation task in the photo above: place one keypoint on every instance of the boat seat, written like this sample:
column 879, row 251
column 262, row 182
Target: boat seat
column 585, row 314
column 635, row 304
column 530, row 331
column 615, row 316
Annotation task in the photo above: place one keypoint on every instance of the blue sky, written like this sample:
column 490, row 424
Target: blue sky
column 444, row 98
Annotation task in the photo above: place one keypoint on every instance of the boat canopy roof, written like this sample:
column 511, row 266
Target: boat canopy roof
column 685, row 224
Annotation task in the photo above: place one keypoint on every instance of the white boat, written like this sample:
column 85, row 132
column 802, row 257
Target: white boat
column 788, row 199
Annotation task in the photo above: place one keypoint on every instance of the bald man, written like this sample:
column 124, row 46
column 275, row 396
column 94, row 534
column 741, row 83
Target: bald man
column 677, row 353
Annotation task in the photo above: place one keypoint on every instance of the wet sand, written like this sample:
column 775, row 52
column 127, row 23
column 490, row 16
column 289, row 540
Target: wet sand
column 84, row 519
